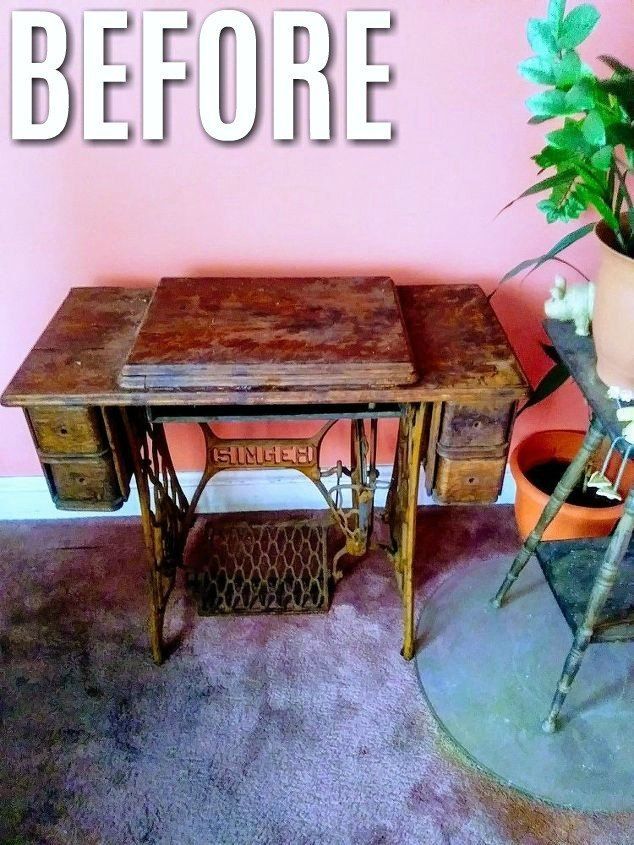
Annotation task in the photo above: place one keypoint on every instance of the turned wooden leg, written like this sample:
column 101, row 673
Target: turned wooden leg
column 571, row 476
column 605, row 581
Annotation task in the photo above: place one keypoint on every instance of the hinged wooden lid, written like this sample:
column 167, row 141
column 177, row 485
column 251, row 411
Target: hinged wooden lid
column 279, row 332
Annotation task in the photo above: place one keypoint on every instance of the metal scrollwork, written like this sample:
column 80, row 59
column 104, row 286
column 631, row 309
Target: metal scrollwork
column 168, row 516
column 164, row 508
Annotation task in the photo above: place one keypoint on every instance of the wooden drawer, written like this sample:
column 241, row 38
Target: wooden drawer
column 68, row 431
column 468, row 480
column 473, row 425
column 84, row 455
column 85, row 484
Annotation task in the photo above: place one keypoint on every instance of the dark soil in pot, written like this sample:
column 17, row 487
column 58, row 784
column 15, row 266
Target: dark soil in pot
column 545, row 476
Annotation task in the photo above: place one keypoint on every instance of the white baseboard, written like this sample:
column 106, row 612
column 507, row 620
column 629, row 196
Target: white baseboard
column 245, row 490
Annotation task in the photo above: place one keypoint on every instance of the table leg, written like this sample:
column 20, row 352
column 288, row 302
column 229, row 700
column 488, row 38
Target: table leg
column 401, row 513
column 163, row 509
column 605, row 581
column 572, row 475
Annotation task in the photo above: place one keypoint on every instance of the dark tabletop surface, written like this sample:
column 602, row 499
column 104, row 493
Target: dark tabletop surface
column 460, row 351
column 579, row 355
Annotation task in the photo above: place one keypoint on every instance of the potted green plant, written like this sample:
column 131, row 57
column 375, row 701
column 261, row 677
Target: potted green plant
column 586, row 165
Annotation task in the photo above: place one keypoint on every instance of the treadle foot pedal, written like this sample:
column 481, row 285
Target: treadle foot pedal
column 259, row 567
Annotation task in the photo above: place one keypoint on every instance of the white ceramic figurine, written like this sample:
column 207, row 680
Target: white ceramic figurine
column 626, row 415
column 571, row 303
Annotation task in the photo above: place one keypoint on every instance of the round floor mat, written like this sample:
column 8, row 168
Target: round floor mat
column 489, row 676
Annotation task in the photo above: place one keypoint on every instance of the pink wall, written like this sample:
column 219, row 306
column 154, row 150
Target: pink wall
column 420, row 208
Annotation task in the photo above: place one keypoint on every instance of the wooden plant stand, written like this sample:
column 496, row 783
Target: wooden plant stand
column 591, row 580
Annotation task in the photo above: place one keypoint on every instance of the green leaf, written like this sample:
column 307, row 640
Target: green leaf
column 544, row 185
column 595, row 181
column 541, row 37
column 594, row 129
column 592, row 198
column 564, row 243
column 551, row 156
column 552, row 381
column 537, row 69
column 569, row 138
column 602, row 159
column 579, row 98
column 515, row 271
column 577, row 26
column 537, row 119
column 560, row 246
column 563, row 205
column 615, row 65
column 567, row 70
column 621, row 87
column 621, row 133
column 548, row 104
column 556, row 10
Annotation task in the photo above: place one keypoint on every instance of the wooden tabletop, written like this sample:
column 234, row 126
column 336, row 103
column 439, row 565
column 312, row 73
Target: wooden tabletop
column 270, row 333
column 459, row 348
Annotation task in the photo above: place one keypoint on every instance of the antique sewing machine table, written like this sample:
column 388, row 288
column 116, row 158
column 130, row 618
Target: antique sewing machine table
column 100, row 384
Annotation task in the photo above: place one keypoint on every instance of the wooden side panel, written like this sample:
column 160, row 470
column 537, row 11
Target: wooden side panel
column 119, row 447
column 431, row 456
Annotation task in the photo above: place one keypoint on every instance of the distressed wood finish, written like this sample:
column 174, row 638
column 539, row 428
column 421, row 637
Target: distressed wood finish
column 475, row 425
column 241, row 333
column 459, row 345
column 582, row 575
column 83, row 454
column 579, row 355
column 467, row 450
column 602, row 588
column 572, row 475
column 69, row 386
column 84, row 483
column 400, row 513
column 468, row 480
column 77, row 431
column 459, row 350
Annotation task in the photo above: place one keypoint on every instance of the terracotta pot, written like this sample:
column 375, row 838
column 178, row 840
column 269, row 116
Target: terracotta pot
column 613, row 319
column 572, row 521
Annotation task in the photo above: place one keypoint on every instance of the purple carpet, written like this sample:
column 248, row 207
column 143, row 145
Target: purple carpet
column 259, row 730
